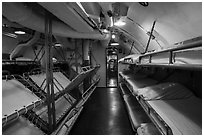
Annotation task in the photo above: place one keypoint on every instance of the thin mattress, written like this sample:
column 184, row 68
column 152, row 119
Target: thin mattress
column 141, row 83
column 15, row 96
column 184, row 116
column 58, row 78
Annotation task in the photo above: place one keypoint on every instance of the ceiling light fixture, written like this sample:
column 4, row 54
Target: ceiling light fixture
column 113, row 36
column 105, row 31
column 119, row 23
column 20, row 32
column 114, row 44
column 58, row 45
column 10, row 35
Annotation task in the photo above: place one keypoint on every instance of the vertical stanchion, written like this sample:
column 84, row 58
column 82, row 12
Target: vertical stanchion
column 49, row 74
column 76, row 59
column 150, row 36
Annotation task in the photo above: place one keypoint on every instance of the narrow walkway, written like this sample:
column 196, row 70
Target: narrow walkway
column 104, row 114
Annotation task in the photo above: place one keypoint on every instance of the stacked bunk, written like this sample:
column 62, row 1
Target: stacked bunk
column 16, row 101
column 172, row 108
column 185, row 55
column 24, row 101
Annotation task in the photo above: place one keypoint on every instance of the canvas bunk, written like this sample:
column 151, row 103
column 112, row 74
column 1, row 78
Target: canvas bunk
column 16, row 101
column 173, row 108
column 165, row 104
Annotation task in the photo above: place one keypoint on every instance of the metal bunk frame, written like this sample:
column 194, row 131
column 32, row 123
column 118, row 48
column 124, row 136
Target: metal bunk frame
column 161, row 125
column 76, row 81
column 5, row 62
column 85, row 70
column 34, row 72
column 170, row 64
column 149, row 57
column 49, row 98
column 24, row 110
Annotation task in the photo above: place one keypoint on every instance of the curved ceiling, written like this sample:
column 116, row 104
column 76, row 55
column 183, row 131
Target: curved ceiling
column 175, row 21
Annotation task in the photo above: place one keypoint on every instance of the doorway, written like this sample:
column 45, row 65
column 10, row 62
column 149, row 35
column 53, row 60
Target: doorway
column 111, row 67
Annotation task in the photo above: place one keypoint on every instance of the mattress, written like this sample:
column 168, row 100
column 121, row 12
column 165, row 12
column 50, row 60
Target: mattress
column 21, row 127
column 58, row 76
column 165, row 91
column 38, row 79
column 190, row 56
column 126, row 75
column 61, row 107
column 136, row 113
column 147, row 129
column 183, row 116
column 15, row 96
column 63, row 80
column 140, row 83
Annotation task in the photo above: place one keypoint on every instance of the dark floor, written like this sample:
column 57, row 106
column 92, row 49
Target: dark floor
column 104, row 114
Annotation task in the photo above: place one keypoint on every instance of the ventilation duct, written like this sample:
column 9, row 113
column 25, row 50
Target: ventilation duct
column 64, row 41
column 120, row 9
column 19, row 50
column 17, row 12
column 68, row 15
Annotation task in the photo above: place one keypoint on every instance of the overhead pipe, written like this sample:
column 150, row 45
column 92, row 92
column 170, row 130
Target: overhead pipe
column 68, row 15
column 107, row 7
column 65, row 42
column 17, row 12
column 18, row 51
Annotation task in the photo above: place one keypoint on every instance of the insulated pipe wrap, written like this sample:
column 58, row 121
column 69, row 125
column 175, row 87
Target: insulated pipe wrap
column 21, row 14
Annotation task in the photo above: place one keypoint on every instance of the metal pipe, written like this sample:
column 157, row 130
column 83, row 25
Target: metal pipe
column 20, row 49
column 17, row 12
column 185, row 46
column 49, row 74
column 174, row 66
column 150, row 37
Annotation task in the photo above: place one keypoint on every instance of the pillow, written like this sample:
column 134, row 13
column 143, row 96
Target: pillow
column 141, row 83
column 165, row 91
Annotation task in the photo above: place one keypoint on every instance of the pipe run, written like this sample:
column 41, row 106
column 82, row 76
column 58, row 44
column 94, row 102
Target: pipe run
column 17, row 12
column 18, row 51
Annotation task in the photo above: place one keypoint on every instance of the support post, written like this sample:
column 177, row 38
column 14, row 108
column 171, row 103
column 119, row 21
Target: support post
column 49, row 74
column 150, row 36
column 75, row 54
column 86, row 61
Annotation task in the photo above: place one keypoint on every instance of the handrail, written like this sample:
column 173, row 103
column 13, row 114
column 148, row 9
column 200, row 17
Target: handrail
column 90, row 88
column 193, row 44
column 174, row 66
column 72, row 113
column 4, row 62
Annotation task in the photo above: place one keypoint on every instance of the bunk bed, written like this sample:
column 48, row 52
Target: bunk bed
column 165, row 104
column 185, row 55
column 176, row 106
column 136, row 113
column 30, row 114
column 16, row 101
